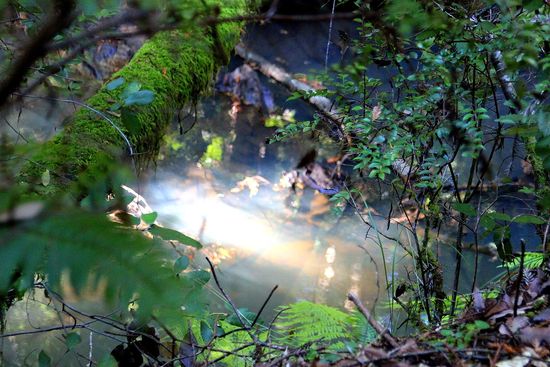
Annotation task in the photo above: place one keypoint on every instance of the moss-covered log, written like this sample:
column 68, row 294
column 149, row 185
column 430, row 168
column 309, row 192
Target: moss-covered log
column 176, row 65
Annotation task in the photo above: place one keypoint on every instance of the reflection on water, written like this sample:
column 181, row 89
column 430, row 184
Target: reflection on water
column 258, row 231
column 254, row 228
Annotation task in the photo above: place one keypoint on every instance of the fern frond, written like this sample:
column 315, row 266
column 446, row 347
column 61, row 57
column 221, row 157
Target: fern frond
column 226, row 345
column 306, row 322
column 92, row 249
column 362, row 331
column 531, row 260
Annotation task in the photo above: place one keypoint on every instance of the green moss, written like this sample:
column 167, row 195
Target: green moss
column 177, row 66
column 214, row 152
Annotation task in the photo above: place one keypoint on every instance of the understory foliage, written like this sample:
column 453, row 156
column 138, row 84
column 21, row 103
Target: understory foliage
column 445, row 104
column 463, row 83
column 307, row 323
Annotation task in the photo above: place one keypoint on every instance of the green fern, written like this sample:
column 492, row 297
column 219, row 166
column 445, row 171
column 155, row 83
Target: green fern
column 531, row 260
column 227, row 344
column 310, row 323
column 93, row 250
column 362, row 331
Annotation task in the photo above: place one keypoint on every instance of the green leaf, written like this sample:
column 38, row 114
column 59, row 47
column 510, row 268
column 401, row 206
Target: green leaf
column 529, row 219
column 245, row 313
column 468, row 116
column 91, row 249
column 181, row 264
column 465, row 208
column 130, row 88
column 527, row 190
column 149, row 218
column 108, row 361
column 44, row 359
column 114, row 84
column 307, row 322
column 481, row 325
column 533, row 5
column 141, row 97
column 505, row 250
column 206, row 332
column 499, row 216
column 115, row 107
column 198, row 277
column 130, row 121
column 72, row 340
column 173, row 235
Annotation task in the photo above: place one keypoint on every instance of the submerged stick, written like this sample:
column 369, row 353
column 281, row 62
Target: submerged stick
column 375, row 324
column 325, row 106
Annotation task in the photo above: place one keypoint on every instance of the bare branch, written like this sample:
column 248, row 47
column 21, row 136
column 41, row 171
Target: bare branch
column 60, row 18
column 379, row 328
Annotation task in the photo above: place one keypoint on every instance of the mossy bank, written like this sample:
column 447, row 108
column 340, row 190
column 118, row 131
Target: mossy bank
column 177, row 66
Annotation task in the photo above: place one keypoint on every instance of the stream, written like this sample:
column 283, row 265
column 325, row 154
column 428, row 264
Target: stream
column 257, row 231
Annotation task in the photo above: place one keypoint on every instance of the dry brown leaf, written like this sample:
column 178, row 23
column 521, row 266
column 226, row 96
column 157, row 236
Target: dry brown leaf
column 543, row 316
column 516, row 323
column 376, row 111
column 479, row 302
column 535, row 335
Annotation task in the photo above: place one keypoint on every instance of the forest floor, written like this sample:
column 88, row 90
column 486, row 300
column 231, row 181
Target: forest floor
column 510, row 329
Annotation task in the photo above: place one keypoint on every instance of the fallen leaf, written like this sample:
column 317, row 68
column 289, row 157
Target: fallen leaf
column 376, row 111
column 535, row 335
column 251, row 183
column 543, row 316
column 479, row 303
column 518, row 361
column 516, row 323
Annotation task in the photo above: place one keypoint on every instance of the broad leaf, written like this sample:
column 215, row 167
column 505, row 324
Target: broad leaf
column 44, row 359
column 90, row 249
column 142, row 97
column 173, row 235
column 72, row 340
column 114, row 84
column 181, row 264
column 45, row 177
column 529, row 219
column 149, row 218
column 466, row 209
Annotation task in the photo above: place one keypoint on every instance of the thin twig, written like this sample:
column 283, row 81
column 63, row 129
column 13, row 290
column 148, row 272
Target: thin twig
column 88, row 107
column 329, row 33
column 379, row 328
column 226, row 296
column 263, row 305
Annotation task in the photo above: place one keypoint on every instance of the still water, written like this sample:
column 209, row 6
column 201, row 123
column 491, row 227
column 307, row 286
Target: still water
column 257, row 231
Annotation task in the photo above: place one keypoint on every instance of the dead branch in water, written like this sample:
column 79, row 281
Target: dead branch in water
column 379, row 328
column 324, row 105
